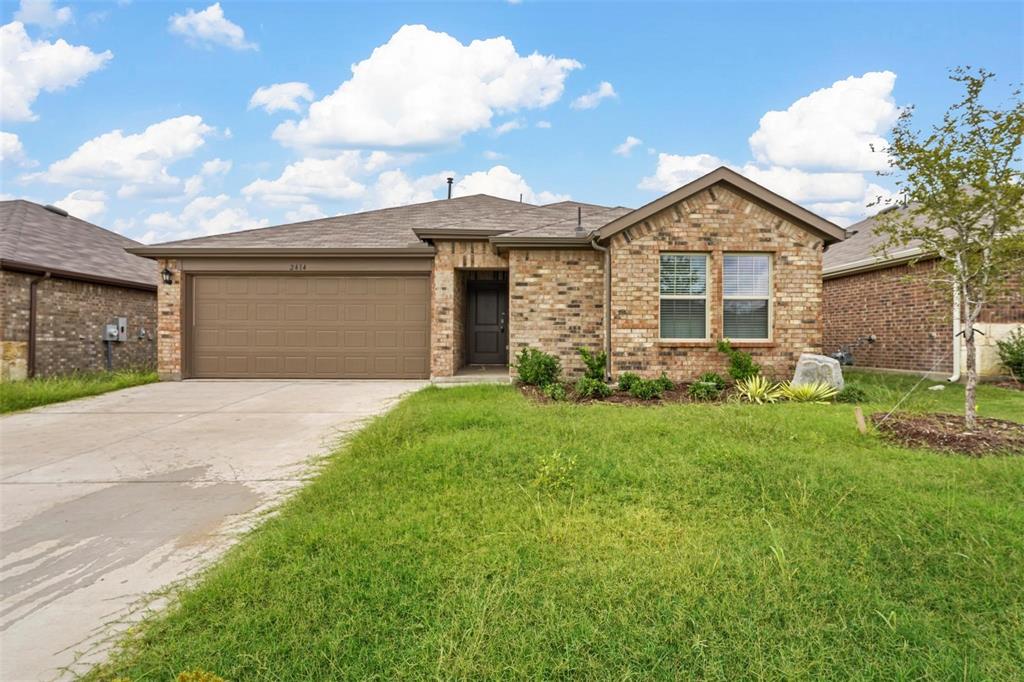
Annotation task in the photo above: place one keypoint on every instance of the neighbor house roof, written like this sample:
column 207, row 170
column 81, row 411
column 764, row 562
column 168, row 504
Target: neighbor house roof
column 828, row 231
column 35, row 238
column 394, row 231
column 862, row 250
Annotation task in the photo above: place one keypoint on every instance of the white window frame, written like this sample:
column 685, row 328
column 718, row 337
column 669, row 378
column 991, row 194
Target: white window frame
column 770, row 295
column 688, row 297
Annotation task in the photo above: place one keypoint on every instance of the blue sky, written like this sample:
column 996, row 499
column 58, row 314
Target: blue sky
column 167, row 120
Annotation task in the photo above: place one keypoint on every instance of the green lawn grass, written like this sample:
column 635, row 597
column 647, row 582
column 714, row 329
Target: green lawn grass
column 471, row 534
column 21, row 395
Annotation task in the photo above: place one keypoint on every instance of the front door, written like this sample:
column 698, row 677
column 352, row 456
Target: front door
column 487, row 323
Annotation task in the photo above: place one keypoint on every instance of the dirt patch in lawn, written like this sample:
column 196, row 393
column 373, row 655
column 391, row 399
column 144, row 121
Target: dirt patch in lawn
column 1007, row 383
column 680, row 394
column 946, row 432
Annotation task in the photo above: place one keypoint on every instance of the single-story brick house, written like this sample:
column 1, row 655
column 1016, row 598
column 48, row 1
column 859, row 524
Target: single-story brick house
column 426, row 290
column 888, row 296
column 62, row 281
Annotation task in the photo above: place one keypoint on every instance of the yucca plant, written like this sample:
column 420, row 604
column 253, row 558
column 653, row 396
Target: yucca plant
column 758, row 389
column 818, row 392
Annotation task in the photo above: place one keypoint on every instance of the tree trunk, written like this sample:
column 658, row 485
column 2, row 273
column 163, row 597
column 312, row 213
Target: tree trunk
column 970, row 400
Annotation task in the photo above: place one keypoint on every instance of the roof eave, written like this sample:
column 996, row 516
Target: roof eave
column 32, row 269
column 541, row 242
column 456, row 233
column 423, row 251
column 877, row 263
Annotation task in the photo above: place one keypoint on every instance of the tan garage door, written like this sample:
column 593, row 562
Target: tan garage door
column 339, row 326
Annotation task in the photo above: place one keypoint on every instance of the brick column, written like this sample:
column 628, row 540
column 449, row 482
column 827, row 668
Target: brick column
column 168, row 329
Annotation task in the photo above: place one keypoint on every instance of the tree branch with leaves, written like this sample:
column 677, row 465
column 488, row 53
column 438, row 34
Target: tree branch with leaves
column 961, row 194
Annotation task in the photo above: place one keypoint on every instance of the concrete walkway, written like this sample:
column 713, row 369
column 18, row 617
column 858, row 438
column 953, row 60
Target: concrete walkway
column 104, row 500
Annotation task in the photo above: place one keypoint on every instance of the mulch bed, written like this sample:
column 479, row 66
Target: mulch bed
column 946, row 433
column 1008, row 383
column 678, row 395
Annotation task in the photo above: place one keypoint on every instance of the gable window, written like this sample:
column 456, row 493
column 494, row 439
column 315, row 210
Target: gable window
column 684, row 296
column 746, row 295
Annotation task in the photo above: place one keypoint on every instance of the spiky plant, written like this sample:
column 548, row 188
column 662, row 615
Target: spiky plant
column 818, row 392
column 758, row 389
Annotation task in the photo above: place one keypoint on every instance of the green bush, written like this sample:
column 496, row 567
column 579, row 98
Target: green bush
column 537, row 368
column 555, row 390
column 818, row 392
column 595, row 362
column 664, row 383
column 712, row 378
column 646, row 389
column 704, row 390
column 851, row 394
column 1011, row 352
column 627, row 379
column 741, row 365
column 588, row 387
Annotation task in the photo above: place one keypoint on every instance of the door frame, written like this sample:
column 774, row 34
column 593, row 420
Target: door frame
column 472, row 286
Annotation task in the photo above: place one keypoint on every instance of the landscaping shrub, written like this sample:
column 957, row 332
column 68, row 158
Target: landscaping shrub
column 818, row 392
column 712, row 378
column 741, row 365
column 851, row 394
column 704, row 390
column 588, row 387
column 758, row 389
column 555, row 390
column 627, row 379
column 537, row 368
column 646, row 389
column 1011, row 353
column 595, row 363
column 664, row 383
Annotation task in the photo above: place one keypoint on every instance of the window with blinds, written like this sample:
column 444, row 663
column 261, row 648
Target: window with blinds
column 746, row 296
column 684, row 287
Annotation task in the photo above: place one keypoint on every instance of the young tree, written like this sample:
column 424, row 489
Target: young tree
column 962, row 184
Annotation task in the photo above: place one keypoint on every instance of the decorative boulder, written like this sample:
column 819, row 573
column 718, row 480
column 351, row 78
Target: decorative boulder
column 813, row 368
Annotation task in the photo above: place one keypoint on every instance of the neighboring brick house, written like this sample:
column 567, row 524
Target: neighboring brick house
column 426, row 290
column 62, row 280
column 892, row 298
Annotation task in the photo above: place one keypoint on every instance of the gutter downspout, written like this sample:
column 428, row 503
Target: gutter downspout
column 32, row 297
column 957, row 335
column 607, row 306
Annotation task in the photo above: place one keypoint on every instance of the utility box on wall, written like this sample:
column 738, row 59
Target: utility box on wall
column 110, row 332
column 122, row 329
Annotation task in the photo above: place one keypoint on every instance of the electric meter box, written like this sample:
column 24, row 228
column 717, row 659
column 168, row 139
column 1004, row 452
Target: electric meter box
column 122, row 329
column 110, row 332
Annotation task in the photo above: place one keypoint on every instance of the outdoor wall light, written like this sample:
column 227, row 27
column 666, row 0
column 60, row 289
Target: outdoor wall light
column 168, row 276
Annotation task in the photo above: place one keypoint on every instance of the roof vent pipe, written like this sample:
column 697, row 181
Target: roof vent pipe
column 56, row 209
column 450, row 181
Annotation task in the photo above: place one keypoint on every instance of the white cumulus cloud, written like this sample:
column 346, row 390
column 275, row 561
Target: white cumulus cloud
column 509, row 126
column 500, row 181
column 201, row 217
column 425, row 88
column 138, row 161
column 591, row 99
column 209, row 27
column 395, row 188
column 304, row 212
column 83, row 203
column 832, row 128
column 28, row 67
column 11, row 150
column 311, row 178
column 281, row 96
column 675, row 170
column 626, row 148
column 42, row 13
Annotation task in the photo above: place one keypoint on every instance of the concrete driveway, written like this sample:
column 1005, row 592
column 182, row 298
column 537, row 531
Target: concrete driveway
column 105, row 500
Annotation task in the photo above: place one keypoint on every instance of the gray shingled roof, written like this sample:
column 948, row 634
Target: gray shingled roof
column 393, row 228
column 861, row 249
column 31, row 235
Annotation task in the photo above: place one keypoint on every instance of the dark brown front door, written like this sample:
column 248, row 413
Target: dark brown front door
column 487, row 323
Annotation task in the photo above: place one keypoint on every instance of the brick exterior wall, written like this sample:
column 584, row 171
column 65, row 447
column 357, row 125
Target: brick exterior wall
column 911, row 318
column 716, row 221
column 169, row 308
column 70, row 320
column 556, row 302
column 448, row 299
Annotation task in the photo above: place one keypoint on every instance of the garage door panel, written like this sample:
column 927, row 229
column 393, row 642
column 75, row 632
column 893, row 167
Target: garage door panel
column 310, row 326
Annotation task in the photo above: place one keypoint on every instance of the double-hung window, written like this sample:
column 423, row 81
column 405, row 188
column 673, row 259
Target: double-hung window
column 684, row 296
column 746, row 296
